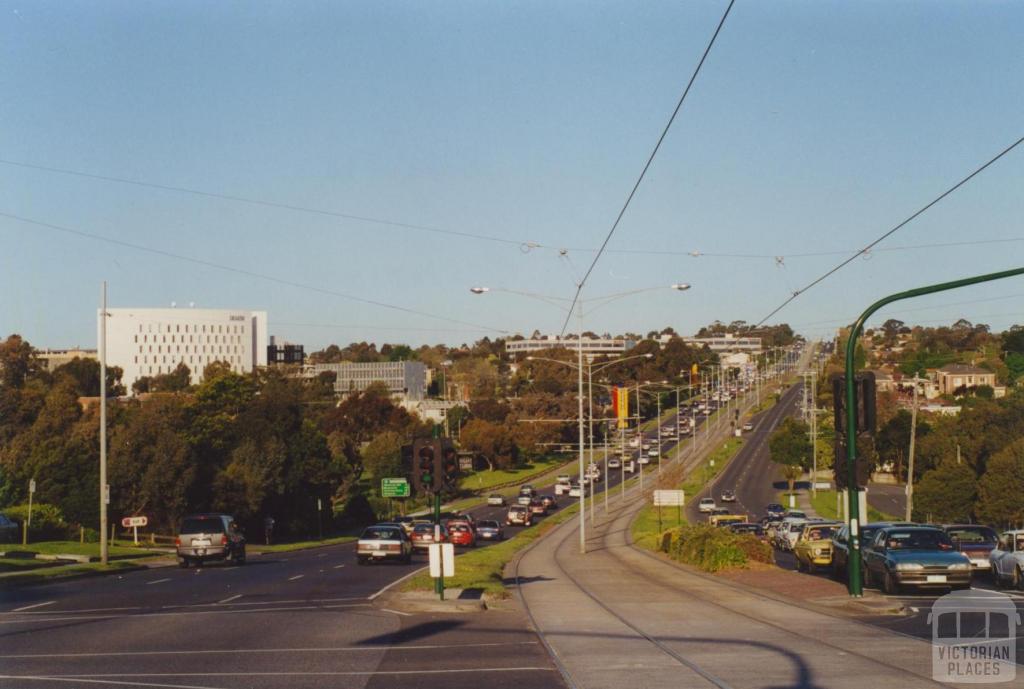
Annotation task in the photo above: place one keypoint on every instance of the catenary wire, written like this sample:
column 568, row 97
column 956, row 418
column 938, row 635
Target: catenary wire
column 647, row 165
column 283, row 206
column 243, row 271
column 525, row 245
column 895, row 229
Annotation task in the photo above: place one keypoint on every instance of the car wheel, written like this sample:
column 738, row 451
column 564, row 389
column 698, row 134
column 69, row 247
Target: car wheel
column 183, row 563
column 889, row 584
column 800, row 567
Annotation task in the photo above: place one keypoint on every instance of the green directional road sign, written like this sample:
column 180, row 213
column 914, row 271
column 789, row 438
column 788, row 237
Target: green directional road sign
column 394, row 488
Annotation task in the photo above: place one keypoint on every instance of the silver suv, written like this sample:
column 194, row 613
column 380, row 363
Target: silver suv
column 204, row 537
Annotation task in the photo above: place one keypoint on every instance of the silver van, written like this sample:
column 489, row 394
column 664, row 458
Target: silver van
column 208, row 537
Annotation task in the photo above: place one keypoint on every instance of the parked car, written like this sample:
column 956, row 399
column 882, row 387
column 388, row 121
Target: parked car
column 461, row 534
column 918, row 556
column 728, row 496
column 813, row 547
column 423, row 535
column 206, row 537
column 496, row 500
column 1007, row 560
column 383, row 542
column 706, row 505
column 489, row 530
column 519, row 515
column 9, row 530
column 974, row 541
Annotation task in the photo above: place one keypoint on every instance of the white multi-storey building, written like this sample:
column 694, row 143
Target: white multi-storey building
column 406, row 379
column 151, row 342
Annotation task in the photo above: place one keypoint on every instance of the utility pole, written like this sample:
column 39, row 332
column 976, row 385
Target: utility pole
column 104, row 488
column 910, row 454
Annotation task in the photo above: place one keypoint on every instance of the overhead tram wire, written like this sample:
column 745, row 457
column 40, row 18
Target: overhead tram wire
column 647, row 165
column 525, row 245
column 892, row 231
column 243, row 271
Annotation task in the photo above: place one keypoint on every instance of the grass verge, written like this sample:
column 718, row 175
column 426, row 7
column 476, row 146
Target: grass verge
column 484, row 568
column 484, row 480
column 824, row 503
column 298, row 545
column 76, row 548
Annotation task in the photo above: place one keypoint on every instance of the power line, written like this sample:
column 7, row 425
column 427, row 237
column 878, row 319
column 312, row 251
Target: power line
column 647, row 165
column 525, row 245
column 920, row 211
column 242, row 271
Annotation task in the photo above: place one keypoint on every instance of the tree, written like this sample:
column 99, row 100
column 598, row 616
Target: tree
column 946, row 494
column 85, row 373
column 1001, row 489
column 382, row 456
column 790, row 446
column 17, row 362
column 491, row 441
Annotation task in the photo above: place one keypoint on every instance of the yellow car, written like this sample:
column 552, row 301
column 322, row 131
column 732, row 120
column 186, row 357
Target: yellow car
column 726, row 519
column 813, row 546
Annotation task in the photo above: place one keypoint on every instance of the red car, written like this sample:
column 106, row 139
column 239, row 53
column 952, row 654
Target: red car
column 461, row 534
column 423, row 535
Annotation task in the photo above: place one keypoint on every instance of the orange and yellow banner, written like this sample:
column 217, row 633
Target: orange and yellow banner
column 620, row 403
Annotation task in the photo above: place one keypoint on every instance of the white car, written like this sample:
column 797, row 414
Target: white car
column 629, row 466
column 643, row 459
column 496, row 499
column 706, row 505
column 524, row 500
column 614, row 463
column 653, row 452
column 575, row 491
column 634, row 442
column 748, row 426
column 561, row 488
column 1007, row 559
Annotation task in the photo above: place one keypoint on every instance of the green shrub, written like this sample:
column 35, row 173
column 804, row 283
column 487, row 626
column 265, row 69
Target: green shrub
column 47, row 520
column 712, row 548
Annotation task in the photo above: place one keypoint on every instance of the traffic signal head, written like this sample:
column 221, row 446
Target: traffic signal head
column 449, row 467
column 424, row 466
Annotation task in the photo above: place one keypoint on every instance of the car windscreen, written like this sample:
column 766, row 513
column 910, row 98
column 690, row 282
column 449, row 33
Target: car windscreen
column 821, row 532
column 210, row 525
column 423, row 528
column 972, row 534
column 487, row 524
column 374, row 533
column 460, row 528
column 918, row 540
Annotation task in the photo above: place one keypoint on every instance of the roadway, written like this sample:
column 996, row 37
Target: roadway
column 291, row 620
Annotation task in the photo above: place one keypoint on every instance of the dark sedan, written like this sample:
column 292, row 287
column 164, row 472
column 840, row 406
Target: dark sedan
column 974, row 541
column 917, row 556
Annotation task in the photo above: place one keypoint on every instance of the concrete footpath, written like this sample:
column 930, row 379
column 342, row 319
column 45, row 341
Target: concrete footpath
column 619, row 617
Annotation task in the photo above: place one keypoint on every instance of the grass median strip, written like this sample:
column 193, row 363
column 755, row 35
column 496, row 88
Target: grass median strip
column 483, row 568
column 824, row 503
column 41, row 574
column 298, row 545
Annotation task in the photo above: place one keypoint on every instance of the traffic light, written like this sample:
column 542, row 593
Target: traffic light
column 862, row 466
column 449, row 467
column 863, row 398
column 425, row 460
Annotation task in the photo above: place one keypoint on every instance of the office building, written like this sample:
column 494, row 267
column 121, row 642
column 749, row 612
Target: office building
column 406, row 379
column 152, row 342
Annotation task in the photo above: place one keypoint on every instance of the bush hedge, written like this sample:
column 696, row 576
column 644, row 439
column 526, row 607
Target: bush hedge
column 712, row 548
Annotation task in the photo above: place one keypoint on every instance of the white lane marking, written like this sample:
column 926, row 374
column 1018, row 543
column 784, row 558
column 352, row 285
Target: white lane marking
column 67, row 612
column 397, row 612
column 257, row 602
column 297, row 576
column 340, row 673
column 158, row 581
column 37, row 605
column 312, row 649
column 396, row 581
column 40, row 678
column 27, row 620
column 338, row 566
column 229, row 599
column 322, row 555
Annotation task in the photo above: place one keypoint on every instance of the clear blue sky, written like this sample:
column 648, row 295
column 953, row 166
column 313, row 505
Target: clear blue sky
column 814, row 127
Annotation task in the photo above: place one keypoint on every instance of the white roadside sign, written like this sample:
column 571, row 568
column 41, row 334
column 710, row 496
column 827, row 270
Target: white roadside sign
column 668, row 498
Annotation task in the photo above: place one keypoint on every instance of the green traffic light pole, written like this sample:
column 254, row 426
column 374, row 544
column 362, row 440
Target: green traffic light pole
column 438, row 582
column 855, row 585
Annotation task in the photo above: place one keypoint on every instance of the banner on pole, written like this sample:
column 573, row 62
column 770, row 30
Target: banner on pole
column 620, row 404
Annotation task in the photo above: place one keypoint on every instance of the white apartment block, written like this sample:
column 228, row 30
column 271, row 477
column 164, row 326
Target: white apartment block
column 151, row 342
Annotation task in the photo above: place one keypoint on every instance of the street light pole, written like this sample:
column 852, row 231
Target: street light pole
column 104, row 545
column 579, row 377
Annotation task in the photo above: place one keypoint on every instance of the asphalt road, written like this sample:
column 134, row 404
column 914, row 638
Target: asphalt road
column 288, row 620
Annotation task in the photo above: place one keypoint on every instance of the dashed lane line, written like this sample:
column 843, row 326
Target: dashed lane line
column 157, row 581
column 297, row 576
column 36, row 605
column 229, row 599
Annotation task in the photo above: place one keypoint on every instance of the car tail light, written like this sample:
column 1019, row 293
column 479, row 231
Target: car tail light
column 224, row 539
column 177, row 541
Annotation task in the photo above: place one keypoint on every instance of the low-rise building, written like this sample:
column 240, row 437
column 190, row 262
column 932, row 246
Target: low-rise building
column 53, row 359
column 952, row 377
column 405, row 379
